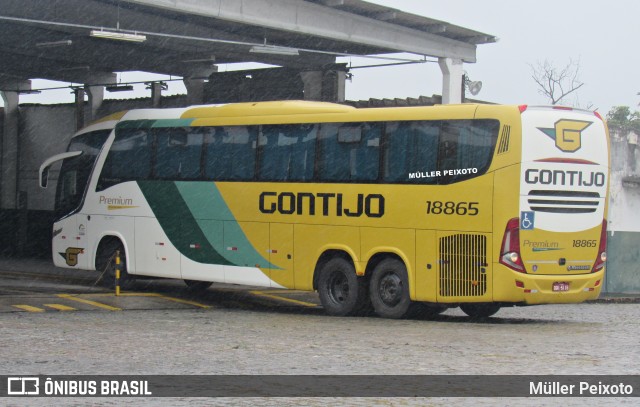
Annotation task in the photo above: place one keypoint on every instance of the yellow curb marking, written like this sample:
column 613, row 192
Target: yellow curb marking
column 155, row 295
column 28, row 308
column 60, row 307
column 279, row 298
column 89, row 302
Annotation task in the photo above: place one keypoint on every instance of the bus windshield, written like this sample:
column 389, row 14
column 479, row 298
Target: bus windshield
column 75, row 171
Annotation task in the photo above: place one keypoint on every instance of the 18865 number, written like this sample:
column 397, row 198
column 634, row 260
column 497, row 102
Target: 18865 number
column 452, row 208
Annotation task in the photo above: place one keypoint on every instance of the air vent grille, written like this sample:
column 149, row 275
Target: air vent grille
column 563, row 201
column 503, row 146
column 463, row 262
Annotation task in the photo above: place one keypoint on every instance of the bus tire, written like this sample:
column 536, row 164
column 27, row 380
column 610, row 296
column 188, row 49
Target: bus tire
column 389, row 289
column 480, row 310
column 197, row 286
column 106, row 264
column 341, row 292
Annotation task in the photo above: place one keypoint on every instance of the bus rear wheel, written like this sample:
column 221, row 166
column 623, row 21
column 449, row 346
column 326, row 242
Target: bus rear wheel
column 341, row 292
column 389, row 289
column 480, row 310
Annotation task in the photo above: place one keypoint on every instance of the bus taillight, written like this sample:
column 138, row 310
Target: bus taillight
column 510, row 250
column 602, row 250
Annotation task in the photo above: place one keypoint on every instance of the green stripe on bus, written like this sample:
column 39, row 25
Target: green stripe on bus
column 159, row 123
column 208, row 207
column 178, row 223
column 196, row 219
column 172, row 123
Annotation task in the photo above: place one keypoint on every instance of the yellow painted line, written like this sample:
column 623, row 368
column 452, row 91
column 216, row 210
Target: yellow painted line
column 89, row 302
column 156, row 295
column 279, row 298
column 181, row 301
column 28, row 308
column 60, row 307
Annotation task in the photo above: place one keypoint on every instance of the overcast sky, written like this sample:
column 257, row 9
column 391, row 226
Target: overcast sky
column 602, row 36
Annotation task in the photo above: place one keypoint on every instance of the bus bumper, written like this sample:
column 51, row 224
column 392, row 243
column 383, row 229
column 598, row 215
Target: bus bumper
column 511, row 286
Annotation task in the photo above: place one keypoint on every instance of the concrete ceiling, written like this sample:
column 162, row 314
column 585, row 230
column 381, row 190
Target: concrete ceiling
column 187, row 37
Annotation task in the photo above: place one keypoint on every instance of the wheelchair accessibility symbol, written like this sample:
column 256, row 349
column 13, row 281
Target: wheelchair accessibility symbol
column 527, row 220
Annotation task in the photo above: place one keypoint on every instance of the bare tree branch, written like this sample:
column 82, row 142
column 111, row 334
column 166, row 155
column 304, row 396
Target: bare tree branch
column 556, row 84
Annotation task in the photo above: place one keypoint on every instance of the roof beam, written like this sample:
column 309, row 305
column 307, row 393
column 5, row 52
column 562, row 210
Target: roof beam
column 301, row 16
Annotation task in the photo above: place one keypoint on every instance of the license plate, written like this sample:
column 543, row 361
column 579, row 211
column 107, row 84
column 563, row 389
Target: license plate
column 560, row 286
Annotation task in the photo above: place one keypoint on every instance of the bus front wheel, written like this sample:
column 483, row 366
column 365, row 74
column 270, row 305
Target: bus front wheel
column 341, row 292
column 480, row 310
column 197, row 286
column 389, row 289
column 106, row 264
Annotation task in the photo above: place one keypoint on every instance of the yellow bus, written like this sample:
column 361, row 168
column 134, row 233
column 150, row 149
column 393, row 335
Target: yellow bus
column 396, row 209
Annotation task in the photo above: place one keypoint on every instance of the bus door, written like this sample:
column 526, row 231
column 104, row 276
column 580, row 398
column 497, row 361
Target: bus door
column 281, row 253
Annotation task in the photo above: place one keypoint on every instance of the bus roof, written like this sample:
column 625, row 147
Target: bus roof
column 287, row 107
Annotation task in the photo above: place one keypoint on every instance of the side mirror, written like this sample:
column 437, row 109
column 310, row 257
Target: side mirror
column 43, row 174
column 44, row 177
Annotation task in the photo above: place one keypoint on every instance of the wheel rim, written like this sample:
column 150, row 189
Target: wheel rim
column 390, row 289
column 338, row 287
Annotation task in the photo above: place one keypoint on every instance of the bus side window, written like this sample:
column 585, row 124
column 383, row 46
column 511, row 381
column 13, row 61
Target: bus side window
column 178, row 153
column 129, row 158
column 349, row 152
column 365, row 158
column 467, row 145
column 448, row 150
column 303, row 153
column 287, row 152
column 231, row 153
column 214, row 165
column 411, row 147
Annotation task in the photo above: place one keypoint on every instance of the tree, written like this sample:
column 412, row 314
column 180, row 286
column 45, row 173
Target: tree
column 556, row 83
column 621, row 118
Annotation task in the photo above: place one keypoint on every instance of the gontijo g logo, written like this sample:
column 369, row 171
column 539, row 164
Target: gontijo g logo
column 567, row 134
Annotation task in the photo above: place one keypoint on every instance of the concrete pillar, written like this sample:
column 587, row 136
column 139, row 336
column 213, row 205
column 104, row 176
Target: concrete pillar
column 79, row 94
column 195, row 91
column 312, row 81
column 156, row 93
column 327, row 86
column 341, row 86
column 96, row 96
column 10, row 162
column 451, row 80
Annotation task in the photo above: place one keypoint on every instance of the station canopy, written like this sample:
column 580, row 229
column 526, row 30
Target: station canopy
column 86, row 41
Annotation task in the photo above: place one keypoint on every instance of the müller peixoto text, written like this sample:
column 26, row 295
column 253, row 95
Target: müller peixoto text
column 580, row 389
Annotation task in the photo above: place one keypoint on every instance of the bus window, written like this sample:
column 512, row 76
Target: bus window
column 230, row 153
column 129, row 158
column 349, row 152
column 287, row 152
column 178, row 153
column 411, row 147
column 466, row 145
column 75, row 172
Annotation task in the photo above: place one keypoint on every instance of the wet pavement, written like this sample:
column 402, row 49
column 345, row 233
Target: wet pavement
column 161, row 328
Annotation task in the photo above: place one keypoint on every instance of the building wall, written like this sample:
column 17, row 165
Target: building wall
column 45, row 130
column 623, row 243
